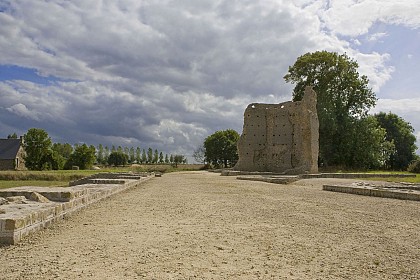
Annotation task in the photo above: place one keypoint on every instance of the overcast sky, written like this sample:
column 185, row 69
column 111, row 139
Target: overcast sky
column 166, row 74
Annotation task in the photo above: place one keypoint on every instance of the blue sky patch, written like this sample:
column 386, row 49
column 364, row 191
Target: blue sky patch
column 13, row 72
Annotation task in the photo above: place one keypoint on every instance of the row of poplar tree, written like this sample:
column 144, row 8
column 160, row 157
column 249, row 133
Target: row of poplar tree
column 43, row 154
column 136, row 155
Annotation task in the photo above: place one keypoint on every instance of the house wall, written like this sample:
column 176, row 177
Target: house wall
column 17, row 163
column 20, row 159
column 7, row 164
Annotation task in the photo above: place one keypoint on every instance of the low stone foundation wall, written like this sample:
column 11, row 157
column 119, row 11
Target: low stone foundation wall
column 109, row 176
column 271, row 179
column 25, row 210
column 276, row 178
column 356, row 175
column 397, row 191
column 229, row 172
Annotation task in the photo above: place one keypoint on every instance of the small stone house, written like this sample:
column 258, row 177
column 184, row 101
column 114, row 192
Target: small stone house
column 12, row 154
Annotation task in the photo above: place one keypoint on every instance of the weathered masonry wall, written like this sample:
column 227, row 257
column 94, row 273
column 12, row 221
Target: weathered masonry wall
column 396, row 191
column 24, row 210
column 281, row 137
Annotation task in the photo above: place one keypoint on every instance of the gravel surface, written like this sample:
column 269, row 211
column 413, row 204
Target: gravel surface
column 200, row 225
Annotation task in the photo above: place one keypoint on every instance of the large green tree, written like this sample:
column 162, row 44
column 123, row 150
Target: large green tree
column 221, row 148
column 132, row 157
column 37, row 145
column 178, row 159
column 65, row 150
column 100, row 154
column 366, row 146
column 155, row 156
column 61, row 154
column 149, row 155
column 83, row 157
column 143, row 157
column 401, row 134
column 117, row 158
column 344, row 98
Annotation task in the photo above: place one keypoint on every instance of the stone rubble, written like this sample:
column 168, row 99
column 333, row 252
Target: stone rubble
column 24, row 210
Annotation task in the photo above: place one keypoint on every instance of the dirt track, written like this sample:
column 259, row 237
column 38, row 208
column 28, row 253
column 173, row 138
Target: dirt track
column 201, row 225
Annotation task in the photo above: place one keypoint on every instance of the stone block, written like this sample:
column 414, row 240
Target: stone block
column 13, row 224
column 16, row 199
column 34, row 196
column 3, row 201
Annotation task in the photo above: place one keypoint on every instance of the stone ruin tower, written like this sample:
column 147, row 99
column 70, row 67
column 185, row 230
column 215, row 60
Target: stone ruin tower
column 280, row 138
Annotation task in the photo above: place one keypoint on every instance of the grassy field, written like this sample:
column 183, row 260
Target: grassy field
column 10, row 179
column 38, row 183
column 414, row 180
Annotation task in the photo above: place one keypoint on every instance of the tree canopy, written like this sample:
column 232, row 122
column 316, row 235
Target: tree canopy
column 83, row 157
column 37, row 145
column 344, row 99
column 12, row 136
column 117, row 158
column 42, row 154
column 400, row 133
column 221, row 148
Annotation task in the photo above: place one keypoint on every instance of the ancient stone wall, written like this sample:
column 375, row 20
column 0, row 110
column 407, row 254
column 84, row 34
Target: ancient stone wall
column 24, row 210
column 281, row 138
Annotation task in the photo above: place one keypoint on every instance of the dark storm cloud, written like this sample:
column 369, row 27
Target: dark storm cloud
column 154, row 73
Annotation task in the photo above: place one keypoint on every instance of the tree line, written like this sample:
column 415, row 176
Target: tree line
column 43, row 154
column 349, row 137
column 125, row 155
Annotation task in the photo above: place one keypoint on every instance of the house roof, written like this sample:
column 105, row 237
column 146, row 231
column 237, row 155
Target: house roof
column 9, row 148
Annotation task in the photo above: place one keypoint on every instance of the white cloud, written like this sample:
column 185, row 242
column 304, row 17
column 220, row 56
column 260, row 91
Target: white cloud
column 418, row 141
column 374, row 66
column 377, row 36
column 168, row 73
column 353, row 18
column 356, row 42
column 399, row 105
column 21, row 110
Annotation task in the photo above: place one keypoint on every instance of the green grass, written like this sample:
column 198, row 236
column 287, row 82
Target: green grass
column 61, row 175
column 10, row 179
column 414, row 180
column 11, row 184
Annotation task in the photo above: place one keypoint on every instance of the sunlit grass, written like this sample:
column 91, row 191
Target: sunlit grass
column 10, row 179
column 414, row 180
column 11, row 184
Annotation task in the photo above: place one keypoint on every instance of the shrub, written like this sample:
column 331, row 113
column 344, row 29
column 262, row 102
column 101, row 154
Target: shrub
column 117, row 158
column 414, row 166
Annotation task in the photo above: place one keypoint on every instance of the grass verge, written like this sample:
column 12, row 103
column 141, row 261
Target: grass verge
column 10, row 179
column 414, row 180
column 37, row 183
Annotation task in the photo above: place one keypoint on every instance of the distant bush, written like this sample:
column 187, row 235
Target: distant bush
column 414, row 166
column 117, row 158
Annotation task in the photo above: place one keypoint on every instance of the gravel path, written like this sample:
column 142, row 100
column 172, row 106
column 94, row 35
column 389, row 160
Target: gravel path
column 199, row 225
